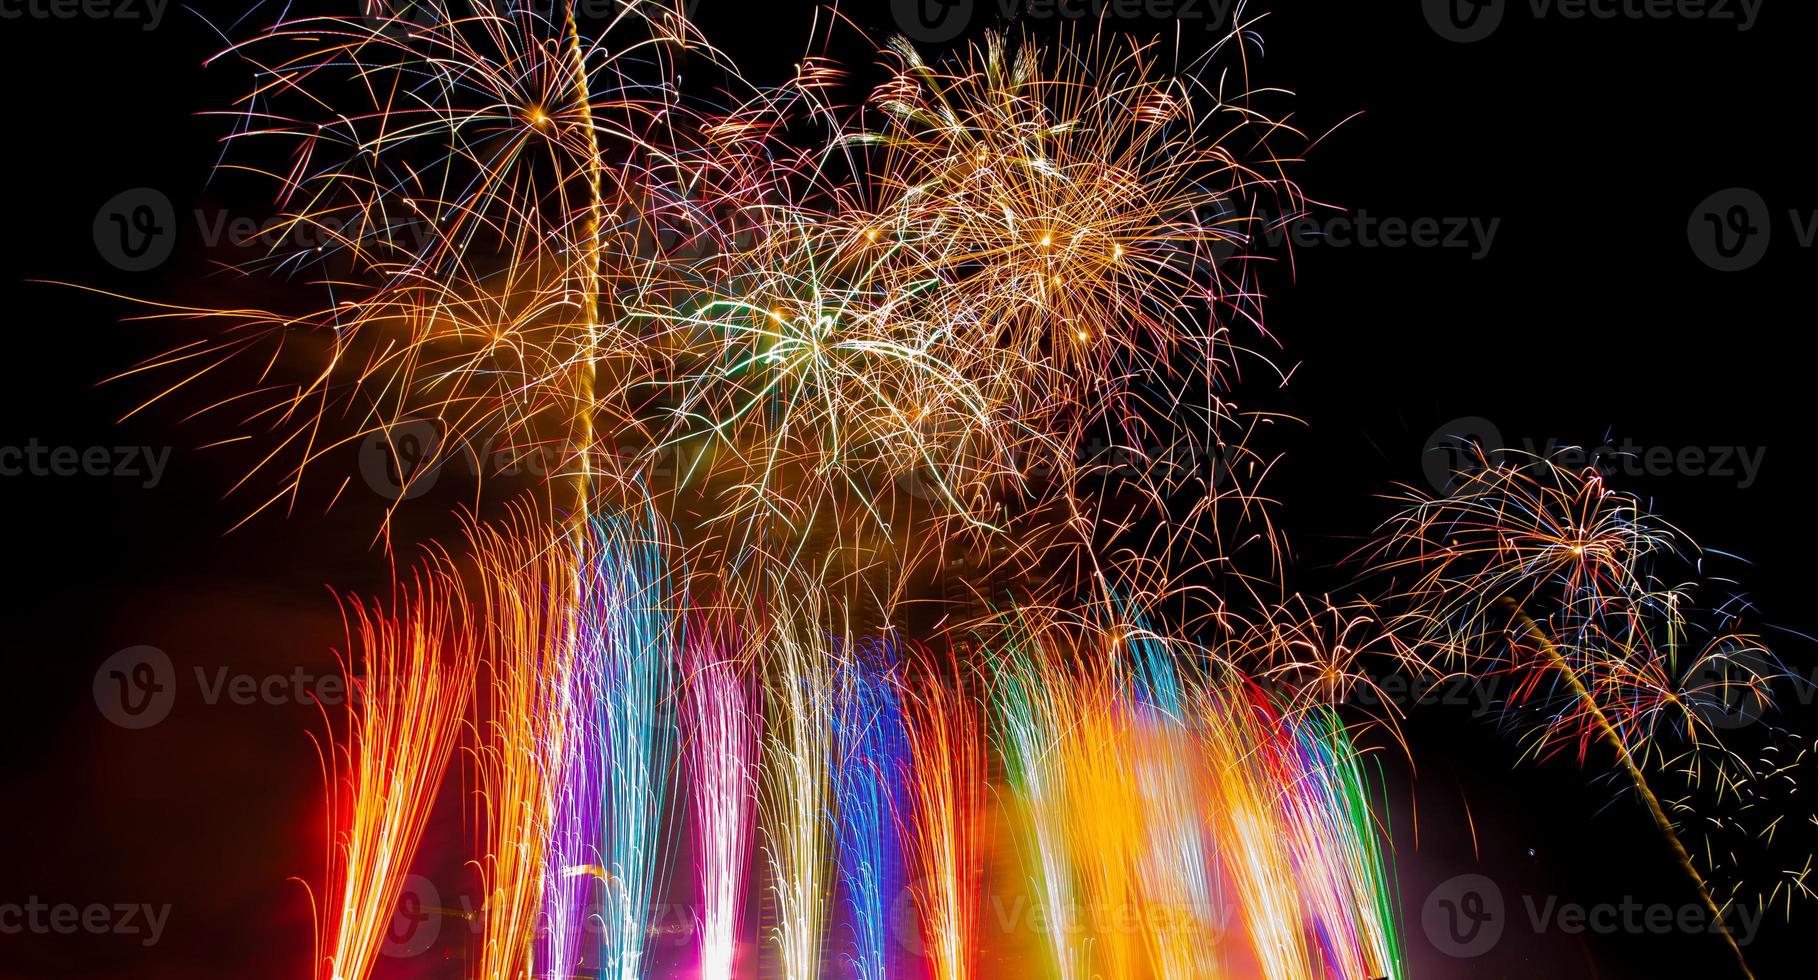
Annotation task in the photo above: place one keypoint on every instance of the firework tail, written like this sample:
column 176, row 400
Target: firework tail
column 572, row 862
column 628, row 624
column 1244, row 769
column 1034, row 711
column 582, row 435
column 945, row 787
column 873, row 748
column 1334, row 840
column 724, row 725
column 796, row 790
column 1624, row 758
column 1174, row 864
column 419, row 664
column 1105, row 827
column 525, row 581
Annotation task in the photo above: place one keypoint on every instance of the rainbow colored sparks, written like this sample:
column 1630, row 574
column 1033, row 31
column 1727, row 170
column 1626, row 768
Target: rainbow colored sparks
column 901, row 554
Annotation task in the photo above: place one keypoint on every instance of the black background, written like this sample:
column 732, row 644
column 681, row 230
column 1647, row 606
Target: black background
column 1590, row 317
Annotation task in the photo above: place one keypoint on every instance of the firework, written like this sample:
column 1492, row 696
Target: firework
column 629, row 617
column 1547, row 576
column 529, row 651
column 973, row 329
column 1106, row 829
column 419, row 665
column 1337, row 852
column 1235, row 728
column 724, row 731
column 945, row 789
column 998, row 290
column 1174, row 862
column 1156, row 783
column 571, row 852
column 916, row 326
column 1066, row 204
column 873, row 750
column 1034, row 713
column 798, row 751
column 487, row 183
column 1543, row 577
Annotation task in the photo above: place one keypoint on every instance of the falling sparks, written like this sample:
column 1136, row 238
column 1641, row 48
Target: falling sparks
column 805, row 368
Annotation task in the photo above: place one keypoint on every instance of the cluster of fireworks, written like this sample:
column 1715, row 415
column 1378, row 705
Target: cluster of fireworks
column 1166, row 807
column 835, row 591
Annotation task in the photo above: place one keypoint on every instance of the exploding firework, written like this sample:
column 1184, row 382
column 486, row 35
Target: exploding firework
column 973, row 332
column 1544, row 578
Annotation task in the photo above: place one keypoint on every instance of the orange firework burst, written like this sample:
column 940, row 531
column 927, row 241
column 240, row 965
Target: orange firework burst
column 487, row 184
column 1001, row 292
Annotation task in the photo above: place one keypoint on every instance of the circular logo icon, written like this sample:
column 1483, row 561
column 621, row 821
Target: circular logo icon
column 1458, row 448
column 136, row 230
column 1730, row 230
column 1463, row 917
column 416, row 921
column 932, row 21
column 136, row 687
column 906, row 921
column 1463, row 21
column 1733, row 689
column 920, row 482
column 400, row 462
